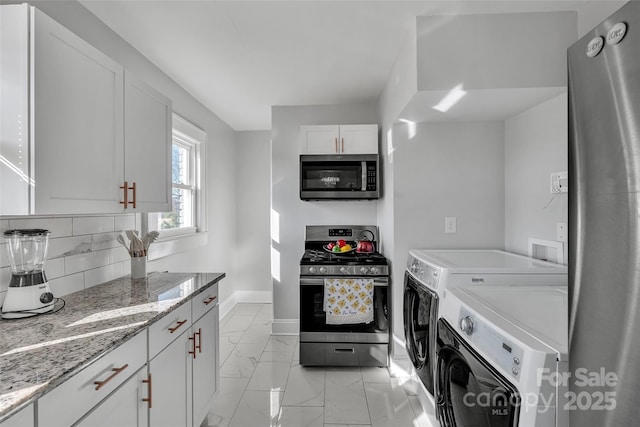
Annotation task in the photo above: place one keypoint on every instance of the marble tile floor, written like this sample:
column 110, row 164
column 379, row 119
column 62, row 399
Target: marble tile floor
column 262, row 384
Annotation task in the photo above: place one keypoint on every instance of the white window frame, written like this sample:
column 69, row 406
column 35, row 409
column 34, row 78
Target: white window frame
column 186, row 133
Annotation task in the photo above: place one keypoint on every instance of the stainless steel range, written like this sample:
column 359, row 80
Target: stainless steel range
column 344, row 298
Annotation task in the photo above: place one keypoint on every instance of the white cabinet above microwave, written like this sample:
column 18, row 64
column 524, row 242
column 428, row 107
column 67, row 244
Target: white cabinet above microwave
column 339, row 139
column 78, row 134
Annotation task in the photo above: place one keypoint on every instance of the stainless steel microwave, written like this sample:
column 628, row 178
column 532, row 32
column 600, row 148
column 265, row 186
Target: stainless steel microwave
column 336, row 177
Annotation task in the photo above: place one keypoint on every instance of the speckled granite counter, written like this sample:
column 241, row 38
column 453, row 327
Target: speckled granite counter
column 39, row 353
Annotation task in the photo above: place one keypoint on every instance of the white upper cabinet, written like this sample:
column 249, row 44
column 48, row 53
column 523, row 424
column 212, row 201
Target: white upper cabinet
column 77, row 129
column 343, row 139
column 147, row 154
column 77, row 122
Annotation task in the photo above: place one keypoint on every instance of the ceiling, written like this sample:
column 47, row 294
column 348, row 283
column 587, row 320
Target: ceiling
column 239, row 58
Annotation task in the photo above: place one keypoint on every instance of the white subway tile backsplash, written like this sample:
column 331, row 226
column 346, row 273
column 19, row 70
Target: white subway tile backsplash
column 118, row 254
column 68, row 246
column 124, row 222
column 5, row 277
column 54, row 268
column 59, row 227
column 103, row 274
column 104, row 241
column 67, row 284
column 86, row 261
column 92, row 225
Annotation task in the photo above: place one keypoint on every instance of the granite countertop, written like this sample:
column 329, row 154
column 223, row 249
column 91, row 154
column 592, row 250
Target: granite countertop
column 39, row 353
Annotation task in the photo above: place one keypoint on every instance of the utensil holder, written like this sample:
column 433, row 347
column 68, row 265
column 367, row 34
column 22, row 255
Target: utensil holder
column 138, row 267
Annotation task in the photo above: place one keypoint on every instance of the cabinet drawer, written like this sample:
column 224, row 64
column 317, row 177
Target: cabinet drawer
column 204, row 302
column 167, row 329
column 73, row 398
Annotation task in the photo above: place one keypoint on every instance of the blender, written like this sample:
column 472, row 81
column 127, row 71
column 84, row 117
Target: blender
column 28, row 293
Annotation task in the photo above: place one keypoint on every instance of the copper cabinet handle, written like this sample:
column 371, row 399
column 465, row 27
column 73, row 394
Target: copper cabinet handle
column 178, row 325
column 125, row 187
column 199, row 346
column 340, row 151
column 209, row 300
column 336, row 144
column 149, row 391
column 193, row 338
column 133, row 187
column 116, row 371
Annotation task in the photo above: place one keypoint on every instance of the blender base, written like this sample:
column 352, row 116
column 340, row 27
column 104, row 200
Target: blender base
column 27, row 301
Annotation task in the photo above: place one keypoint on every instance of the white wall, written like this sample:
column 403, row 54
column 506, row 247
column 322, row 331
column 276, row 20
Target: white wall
column 253, row 185
column 290, row 215
column 446, row 169
column 217, row 255
column 594, row 12
column 535, row 146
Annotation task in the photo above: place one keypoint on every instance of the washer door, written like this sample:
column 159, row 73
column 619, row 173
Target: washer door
column 470, row 392
column 420, row 316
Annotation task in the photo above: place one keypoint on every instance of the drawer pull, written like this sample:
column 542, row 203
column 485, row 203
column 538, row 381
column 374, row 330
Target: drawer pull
column 209, row 300
column 344, row 350
column 149, row 390
column 199, row 346
column 193, row 339
column 179, row 323
column 115, row 371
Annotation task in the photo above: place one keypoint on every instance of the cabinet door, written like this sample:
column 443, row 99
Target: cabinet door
column 77, row 122
column 205, row 365
column 171, row 384
column 147, row 135
column 359, row 139
column 123, row 408
column 23, row 418
column 15, row 170
column 319, row 139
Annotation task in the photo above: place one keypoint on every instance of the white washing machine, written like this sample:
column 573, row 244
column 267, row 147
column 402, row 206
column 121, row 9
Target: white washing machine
column 501, row 355
column 430, row 272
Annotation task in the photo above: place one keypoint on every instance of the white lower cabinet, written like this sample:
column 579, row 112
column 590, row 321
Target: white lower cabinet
column 171, row 386
column 22, row 418
column 185, row 373
column 205, row 365
column 72, row 400
column 125, row 407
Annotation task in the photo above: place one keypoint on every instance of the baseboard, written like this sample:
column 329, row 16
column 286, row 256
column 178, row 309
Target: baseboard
column 285, row 327
column 255, row 297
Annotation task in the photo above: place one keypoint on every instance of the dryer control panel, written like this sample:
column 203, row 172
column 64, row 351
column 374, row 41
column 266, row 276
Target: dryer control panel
column 425, row 273
column 498, row 348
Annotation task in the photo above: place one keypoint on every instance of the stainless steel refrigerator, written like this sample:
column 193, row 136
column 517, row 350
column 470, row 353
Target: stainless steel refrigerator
column 604, row 223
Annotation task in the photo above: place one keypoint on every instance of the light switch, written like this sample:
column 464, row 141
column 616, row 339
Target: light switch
column 450, row 224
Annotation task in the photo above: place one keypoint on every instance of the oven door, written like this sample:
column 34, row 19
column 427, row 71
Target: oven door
column 420, row 317
column 470, row 392
column 313, row 319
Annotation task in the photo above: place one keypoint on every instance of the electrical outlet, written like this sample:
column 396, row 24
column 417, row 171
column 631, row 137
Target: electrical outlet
column 562, row 232
column 450, row 224
column 559, row 182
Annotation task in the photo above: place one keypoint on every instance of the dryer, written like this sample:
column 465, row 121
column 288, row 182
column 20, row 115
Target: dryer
column 502, row 357
column 429, row 272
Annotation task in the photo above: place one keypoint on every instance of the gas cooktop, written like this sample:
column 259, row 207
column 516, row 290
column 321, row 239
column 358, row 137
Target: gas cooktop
column 322, row 257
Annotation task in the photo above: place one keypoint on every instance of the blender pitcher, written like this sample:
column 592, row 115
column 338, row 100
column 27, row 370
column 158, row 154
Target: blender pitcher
column 28, row 293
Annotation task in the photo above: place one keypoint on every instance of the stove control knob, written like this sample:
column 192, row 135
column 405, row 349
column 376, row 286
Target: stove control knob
column 374, row 270
column 364, row 270
column 323, row 270
column 466, row 325
column 312, row 270
column 344, row 270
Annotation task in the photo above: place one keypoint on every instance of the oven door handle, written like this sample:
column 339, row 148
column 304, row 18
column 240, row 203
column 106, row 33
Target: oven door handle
column 319, row 281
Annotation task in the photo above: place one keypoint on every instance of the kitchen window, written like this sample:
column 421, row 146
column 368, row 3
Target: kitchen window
column 186, row 183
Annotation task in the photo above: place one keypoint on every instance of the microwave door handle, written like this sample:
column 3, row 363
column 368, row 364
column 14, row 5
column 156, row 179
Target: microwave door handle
column 364, row 176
